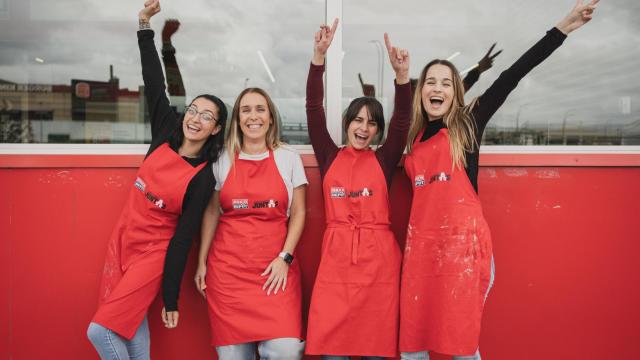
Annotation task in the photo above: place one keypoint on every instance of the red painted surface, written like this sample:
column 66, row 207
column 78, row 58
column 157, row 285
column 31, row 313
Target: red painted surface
column 565, row 242
column 100, row 161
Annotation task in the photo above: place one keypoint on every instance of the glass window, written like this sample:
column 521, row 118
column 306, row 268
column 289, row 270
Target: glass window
column 70, row 70
column 585, row 93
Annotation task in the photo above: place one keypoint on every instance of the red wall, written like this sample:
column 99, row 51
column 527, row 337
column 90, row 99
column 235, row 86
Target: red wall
column 565, row 238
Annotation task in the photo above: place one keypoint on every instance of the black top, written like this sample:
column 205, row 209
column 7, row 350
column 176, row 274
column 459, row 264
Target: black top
column 472, row 77
column 489, row 102
column 200, row 188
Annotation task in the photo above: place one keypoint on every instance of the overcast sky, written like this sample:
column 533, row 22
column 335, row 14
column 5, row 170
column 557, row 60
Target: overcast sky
column 592, row 74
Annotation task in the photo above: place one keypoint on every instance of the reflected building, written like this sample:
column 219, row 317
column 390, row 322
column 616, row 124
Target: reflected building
column 576, row 97
column 86, row 111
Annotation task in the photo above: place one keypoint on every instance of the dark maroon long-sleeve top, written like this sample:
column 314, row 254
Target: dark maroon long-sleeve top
column 326, row 150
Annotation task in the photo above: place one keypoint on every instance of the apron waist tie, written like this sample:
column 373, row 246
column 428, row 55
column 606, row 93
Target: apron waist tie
column 355, row 237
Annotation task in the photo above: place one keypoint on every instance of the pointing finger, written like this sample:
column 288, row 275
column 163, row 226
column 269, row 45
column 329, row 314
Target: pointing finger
column 334, row 27
column 387, row 43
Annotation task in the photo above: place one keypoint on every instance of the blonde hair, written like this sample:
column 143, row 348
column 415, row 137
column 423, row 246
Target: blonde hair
column 458, row 120
column 233, row 142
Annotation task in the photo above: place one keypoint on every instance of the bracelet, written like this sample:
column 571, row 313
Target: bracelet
column 143, row 24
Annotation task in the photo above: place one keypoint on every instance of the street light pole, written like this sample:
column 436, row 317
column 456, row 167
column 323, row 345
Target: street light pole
column 380, row 52
column 564, row 125
column 518, row 115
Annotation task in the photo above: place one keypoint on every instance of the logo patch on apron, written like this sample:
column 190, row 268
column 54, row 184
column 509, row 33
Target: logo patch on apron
column 440, row 177
column 265, row 204
column 140, row 185
column 240, row 203
column 366, row 192
column 338, row 192
column 419, row 181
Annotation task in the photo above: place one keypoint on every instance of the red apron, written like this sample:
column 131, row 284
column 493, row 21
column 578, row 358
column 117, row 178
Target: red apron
column 138, row 245
column 251, row 233
column 354, row 307
column 447, row 258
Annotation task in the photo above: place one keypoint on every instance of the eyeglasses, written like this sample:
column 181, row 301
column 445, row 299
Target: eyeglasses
column 204, row 115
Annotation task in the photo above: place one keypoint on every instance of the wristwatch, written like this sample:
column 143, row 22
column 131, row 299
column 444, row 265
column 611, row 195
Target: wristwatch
column 288, row 258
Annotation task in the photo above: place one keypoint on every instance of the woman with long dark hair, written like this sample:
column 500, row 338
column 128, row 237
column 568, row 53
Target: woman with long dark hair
column 164, row 208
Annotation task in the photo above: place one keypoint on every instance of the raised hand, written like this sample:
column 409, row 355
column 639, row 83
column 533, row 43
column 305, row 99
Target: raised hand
column 399, row 59
column 151, row 7
column 170, row 28
column 487, row 61
column 322, row 41
column 579, row 15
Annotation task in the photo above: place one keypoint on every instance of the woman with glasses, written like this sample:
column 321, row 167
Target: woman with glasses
column 354, row 307
column 164, row 209
column 250, row 229
column 448, row 259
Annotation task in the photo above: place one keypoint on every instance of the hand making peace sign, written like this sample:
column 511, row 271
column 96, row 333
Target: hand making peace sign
column 322, row 41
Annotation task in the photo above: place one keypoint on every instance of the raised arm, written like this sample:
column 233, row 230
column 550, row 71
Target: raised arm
column 392, row 150
column 323, row 145
column 174, row 77
column 163, row 118
column 483, row 65
column 497, row 93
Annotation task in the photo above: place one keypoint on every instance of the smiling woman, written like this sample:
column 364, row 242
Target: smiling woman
column 255, row 124
column 448, row 264
column 163, row 211
column 354, row 306
column 247, row 271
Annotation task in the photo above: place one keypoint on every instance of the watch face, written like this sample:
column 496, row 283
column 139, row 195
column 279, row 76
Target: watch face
column 288, row 258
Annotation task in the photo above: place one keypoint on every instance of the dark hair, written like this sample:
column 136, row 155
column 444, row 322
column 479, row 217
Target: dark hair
column 212, row 147
column 375, row 110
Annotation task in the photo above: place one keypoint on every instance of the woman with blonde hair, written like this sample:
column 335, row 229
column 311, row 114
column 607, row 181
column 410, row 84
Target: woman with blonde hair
column 448, row 259
column 250, row 229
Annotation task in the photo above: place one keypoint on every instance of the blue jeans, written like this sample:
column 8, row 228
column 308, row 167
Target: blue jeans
column 274, row 349
column 111, row 346
column 424, row 355
column 333, row 357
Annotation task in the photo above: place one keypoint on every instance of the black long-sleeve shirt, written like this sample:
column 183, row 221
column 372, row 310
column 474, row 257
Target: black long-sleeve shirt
column 472, row 77
column 200, row 188
column 491, row 100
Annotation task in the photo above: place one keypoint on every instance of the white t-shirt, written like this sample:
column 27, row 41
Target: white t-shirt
column 288, row 162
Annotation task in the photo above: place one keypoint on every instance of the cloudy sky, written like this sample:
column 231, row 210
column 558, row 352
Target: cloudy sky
column 594, row 76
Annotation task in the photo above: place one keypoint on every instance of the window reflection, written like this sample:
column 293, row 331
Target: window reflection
column 585, row 93
column 70, row 73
